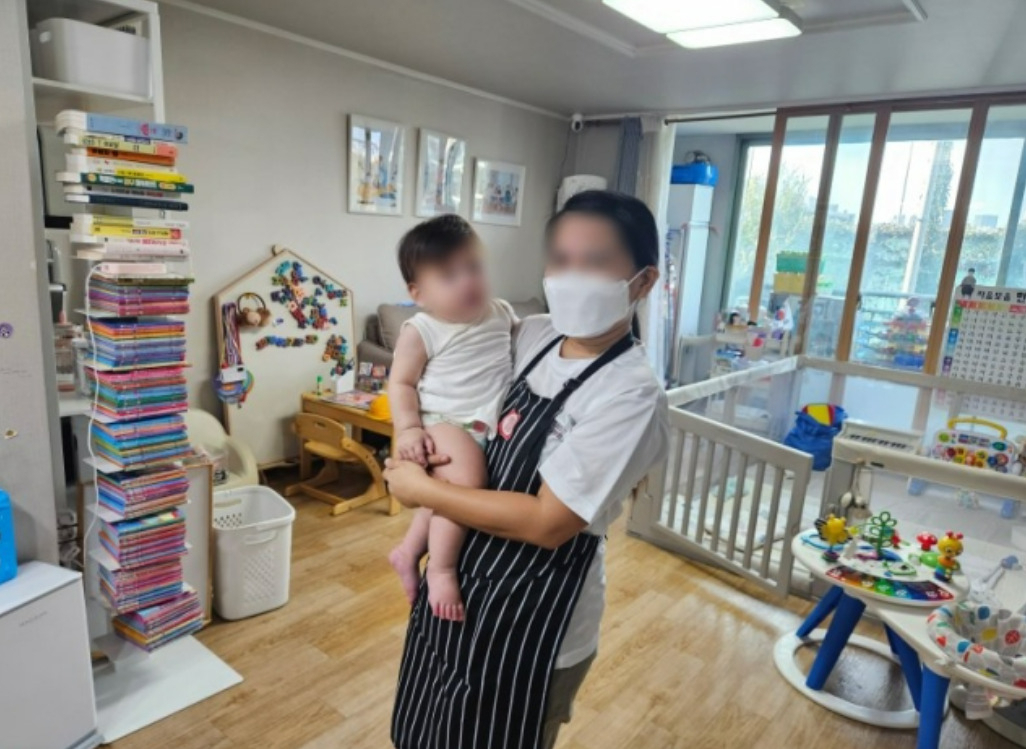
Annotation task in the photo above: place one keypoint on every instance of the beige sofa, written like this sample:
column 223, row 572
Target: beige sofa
column 381, row 330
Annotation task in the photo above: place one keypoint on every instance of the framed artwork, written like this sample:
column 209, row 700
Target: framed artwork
column 440, row 160
column 375, row 166
column 498, row 192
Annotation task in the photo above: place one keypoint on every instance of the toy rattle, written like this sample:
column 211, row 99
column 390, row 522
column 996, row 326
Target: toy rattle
column 257, row 316
column 948, row 550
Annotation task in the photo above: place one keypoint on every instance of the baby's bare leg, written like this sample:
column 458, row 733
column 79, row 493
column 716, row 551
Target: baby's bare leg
column 405, row 558
column 445, row 538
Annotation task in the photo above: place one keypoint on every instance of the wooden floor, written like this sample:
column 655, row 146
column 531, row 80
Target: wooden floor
column 685, row 660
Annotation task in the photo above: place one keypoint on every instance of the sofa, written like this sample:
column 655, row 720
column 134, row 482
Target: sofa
column 381, row 330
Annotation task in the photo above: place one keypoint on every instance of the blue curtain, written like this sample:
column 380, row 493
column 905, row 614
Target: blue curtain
column 628, row 155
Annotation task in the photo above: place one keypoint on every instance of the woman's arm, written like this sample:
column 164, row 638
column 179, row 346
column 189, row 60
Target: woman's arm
column 542, row 521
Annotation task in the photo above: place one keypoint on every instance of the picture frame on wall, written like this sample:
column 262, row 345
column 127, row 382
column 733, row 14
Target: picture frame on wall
column 498, row 192
column 376, row 159
column 440, row 165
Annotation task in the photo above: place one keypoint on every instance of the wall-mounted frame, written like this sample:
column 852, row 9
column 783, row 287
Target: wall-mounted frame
column 376, row 165
column 498, row 192
column 440, row 164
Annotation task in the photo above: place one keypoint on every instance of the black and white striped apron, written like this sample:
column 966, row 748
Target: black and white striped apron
column 483, row 683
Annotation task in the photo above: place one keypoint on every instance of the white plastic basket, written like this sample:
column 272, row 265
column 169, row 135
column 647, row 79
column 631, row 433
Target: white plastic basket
column 253, row 534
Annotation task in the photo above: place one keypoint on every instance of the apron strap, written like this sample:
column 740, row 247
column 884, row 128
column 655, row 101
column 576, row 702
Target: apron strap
column 624, row 344
column 541, row 355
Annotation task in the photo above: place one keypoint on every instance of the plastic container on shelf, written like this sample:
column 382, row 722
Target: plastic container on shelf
column 253, row 543
column 87, row 55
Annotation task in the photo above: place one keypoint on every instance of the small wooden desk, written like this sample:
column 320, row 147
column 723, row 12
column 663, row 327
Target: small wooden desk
column 358, row 421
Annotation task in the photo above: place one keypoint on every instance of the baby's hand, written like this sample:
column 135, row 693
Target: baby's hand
column 414, row 444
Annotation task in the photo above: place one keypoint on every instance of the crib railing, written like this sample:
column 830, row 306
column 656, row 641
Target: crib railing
column 728, row 498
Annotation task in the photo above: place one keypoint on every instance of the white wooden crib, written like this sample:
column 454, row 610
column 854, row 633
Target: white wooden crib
column 735, row 498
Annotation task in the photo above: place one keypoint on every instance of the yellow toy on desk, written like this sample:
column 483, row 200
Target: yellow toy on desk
column 835, row 532
column 380, row 409
column 949, row 549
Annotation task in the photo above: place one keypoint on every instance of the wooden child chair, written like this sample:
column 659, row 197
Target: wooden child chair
column 330, row 441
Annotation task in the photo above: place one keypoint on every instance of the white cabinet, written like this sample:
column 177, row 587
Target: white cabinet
column 46, row 688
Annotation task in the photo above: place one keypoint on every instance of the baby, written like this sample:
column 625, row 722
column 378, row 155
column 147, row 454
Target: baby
column 452, row 368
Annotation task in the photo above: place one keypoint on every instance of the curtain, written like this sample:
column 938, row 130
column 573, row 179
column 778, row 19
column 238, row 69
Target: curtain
column 628, row 155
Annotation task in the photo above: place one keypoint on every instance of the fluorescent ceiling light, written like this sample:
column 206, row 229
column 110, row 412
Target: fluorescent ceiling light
column 664, row 16
column 737, row 33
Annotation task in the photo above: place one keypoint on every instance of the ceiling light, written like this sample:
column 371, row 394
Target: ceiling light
column 664, row 16
column 738, row 33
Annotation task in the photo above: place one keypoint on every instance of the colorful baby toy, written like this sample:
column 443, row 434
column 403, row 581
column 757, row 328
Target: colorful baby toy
column 975, row 450
column 835, row 532
column 949, row 549
column 880, row 530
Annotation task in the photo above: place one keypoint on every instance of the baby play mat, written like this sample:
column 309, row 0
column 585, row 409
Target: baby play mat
column 983, row 638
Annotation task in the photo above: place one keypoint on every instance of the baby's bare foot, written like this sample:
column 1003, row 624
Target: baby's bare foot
column 444, row 593
column 408, row 569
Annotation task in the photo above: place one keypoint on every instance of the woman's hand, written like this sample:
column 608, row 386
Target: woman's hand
column 408, row 481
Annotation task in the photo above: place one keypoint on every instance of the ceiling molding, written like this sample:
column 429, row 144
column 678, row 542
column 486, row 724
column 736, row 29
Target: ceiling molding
column 357, row 56
column 575, row 24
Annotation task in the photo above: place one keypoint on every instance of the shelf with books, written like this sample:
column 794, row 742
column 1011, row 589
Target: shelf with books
column 134, row 309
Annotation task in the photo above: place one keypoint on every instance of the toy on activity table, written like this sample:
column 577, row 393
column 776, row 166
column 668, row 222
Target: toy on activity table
column 975, row 450
column 879, row 531
column 949, row 549
column 836, row 533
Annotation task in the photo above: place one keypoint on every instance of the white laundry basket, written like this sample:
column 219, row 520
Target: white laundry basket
column 253, row 532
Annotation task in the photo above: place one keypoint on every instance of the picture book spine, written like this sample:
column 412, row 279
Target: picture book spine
column 119, row 168
column 91, row 219
column 153, row 203
column 111, row 153
column 123, row 243
column 103, row 123
column 122, row 144
column 95, row 178
column 131, row 231
column 106, row 190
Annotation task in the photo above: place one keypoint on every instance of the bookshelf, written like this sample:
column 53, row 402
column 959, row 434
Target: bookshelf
column 142, row 679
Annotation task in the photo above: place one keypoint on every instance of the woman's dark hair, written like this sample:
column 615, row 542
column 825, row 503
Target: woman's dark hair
column 630, row 217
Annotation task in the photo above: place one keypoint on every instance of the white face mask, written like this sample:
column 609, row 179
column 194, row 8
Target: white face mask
column 584, row 305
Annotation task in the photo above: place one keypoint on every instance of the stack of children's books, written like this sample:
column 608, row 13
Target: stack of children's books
column 103, row 237
column 153, row 626
column 130, row 342
column 140, row 393
column 132, row 495
column 121, row 171
column 138, row 295
column 144, row 443
column 129, row 589
column 123, row 162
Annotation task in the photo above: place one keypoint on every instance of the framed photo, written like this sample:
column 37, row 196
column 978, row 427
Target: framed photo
column 498, row 192
column 440, row 160
column 375, row 166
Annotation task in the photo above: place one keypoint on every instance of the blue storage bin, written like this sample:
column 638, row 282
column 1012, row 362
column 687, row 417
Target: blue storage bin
column 695, row 173
column 8, row 554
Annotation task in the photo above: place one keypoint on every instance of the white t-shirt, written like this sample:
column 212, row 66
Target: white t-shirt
column 469, row 367
column 610, row 433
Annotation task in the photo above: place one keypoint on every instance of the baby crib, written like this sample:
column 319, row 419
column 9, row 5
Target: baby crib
column 731, row 495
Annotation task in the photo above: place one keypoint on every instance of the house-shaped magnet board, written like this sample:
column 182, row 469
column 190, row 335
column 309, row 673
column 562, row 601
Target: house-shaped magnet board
column 295, row 324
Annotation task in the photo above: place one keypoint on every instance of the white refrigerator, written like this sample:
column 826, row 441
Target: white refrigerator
column 688, row 212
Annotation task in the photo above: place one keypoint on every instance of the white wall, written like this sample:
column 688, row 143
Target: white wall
column 30, row 468
column 724, row 151
column 593, row 151
column 267, row 151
